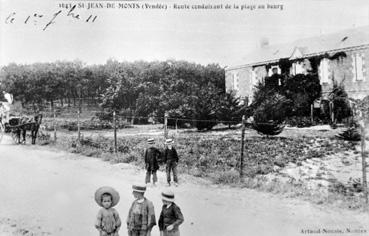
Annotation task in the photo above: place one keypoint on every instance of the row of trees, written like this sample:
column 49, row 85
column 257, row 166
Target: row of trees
column 64, row 82
column 140, row 89
column 186, row 91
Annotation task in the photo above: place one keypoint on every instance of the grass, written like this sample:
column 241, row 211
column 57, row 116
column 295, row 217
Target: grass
column 212, row 155
column 215, row 155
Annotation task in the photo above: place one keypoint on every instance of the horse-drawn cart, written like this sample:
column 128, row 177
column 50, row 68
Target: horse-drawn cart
column 18, row 126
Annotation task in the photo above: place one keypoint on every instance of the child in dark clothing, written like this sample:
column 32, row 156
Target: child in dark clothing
column 171, row 160
column 152, row 157
column 170, row 217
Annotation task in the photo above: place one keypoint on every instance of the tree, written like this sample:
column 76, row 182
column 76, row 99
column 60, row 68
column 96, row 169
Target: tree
column 341, row 105
column 270, row 115
column 229, row 109
column 205, row 109
column 302, row 90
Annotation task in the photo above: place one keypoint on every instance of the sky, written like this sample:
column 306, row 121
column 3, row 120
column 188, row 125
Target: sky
column 220, row 36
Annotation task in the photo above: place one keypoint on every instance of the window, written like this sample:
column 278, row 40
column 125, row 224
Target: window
column 254, row 79
column 275, row 69
column 357, row 64
column 235, row 82
column 298, row 68
column 324, row 71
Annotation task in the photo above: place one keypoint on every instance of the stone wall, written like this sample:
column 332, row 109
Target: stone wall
column 342, row 71
column 244, row 82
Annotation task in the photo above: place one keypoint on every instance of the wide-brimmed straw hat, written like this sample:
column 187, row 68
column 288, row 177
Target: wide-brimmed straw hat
column 106, row 189
column 169, row 141
column 167, row 196
column 150, row 141
column 139, row 188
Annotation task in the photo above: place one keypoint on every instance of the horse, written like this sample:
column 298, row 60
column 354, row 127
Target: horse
column 30, row 124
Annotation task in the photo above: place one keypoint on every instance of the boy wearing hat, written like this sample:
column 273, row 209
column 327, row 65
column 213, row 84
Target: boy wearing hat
column 152, row 155
column 108, row 221
column 141, row 217
column 170, row 217
column 171, row 159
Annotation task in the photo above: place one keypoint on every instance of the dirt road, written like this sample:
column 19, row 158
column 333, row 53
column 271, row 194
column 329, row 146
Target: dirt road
column 49, row 192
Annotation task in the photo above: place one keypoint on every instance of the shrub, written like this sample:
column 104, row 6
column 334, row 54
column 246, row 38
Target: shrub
column 302, row 90
column 268, row 128
column 341, row 105
column 350, row 134
column 270, row 114
column 229, row 109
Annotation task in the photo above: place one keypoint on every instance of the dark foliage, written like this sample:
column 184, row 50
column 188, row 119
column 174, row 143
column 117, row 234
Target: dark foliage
column 350, row 134
column 270, row 115
column 300, row 121
column 341, row 105
column 302, row 90
column 268, row 128
column 230, row 109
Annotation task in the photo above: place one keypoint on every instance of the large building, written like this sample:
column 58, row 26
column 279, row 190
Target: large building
column 342, row 57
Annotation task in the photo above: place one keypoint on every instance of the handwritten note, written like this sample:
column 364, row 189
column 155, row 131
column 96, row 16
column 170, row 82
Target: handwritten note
column 45, row 21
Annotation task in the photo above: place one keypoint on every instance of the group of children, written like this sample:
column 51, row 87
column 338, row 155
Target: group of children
column 153, row 157
column 141, row 217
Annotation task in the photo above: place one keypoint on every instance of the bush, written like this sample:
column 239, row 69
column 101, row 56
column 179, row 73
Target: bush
column 273, row 108
column 350, row 134
column 270, row 114
column 302, row 90
column 341, row 103
column 268, row 128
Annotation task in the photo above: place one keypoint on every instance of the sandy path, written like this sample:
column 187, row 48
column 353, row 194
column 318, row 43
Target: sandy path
column 51, row 191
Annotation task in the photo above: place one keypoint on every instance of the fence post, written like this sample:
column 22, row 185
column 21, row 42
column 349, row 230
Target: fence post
column 333, row 113
column 165, row 125
column 363, row 157
column 176, row 127
column 242, row 146
column 78, row 126
column 115, row 132
column 312, row 114
column 54, row 123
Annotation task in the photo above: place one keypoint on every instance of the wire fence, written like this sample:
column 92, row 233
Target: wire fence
column 228, row 151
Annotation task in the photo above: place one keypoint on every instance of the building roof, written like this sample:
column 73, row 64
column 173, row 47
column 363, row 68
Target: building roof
column 348, row 39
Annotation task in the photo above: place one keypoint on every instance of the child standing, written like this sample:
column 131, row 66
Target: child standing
column 108, row 221
column 170, row 217
column 152, row 155
column 141, row 217
column 171, row 159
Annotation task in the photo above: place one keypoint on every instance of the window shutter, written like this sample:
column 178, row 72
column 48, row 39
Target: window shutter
column 353, row 68
column 235, row 82
column 364, row 66
column 358, row 67
column 324, row 71
column 254, row 80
